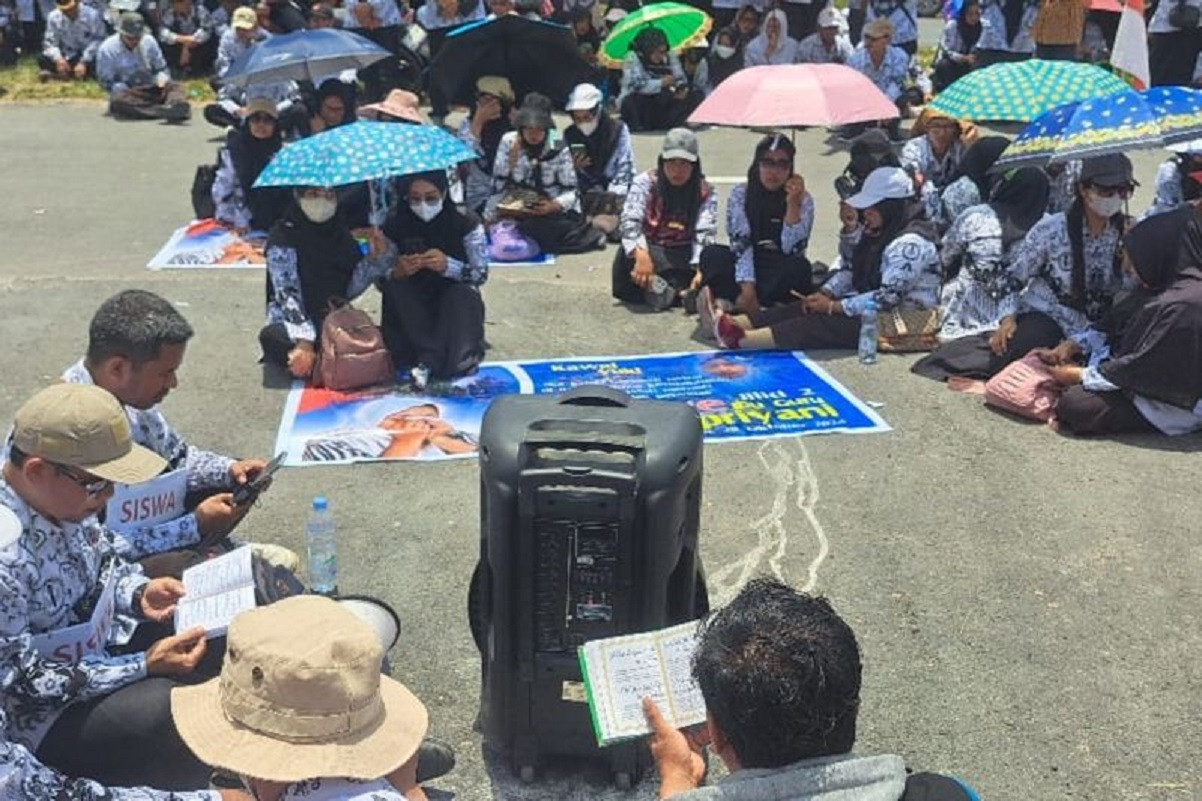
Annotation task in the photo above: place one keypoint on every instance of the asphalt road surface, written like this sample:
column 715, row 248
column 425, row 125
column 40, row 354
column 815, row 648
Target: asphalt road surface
column 1027, row 603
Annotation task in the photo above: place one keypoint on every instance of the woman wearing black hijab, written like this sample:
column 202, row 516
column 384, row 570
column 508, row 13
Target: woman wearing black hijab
column 669, row 216
column 248, row 149
column 725, row 57
column 312, row 258
column 1153, row 378
column 972, row 182
column 768, row 219
column 976, row 256
column 433, row 315
column 489, row 120
column 957, row 47
column 655, row 93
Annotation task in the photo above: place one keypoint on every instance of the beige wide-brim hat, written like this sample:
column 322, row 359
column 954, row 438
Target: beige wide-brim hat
column 398, row 103
column 300, row 696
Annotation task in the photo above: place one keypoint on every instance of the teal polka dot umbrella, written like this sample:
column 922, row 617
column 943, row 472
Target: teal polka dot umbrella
column 364, row 151
column 1021, row 91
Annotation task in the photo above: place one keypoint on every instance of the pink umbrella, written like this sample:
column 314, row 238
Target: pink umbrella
column 794, row 95
column 1104, row 5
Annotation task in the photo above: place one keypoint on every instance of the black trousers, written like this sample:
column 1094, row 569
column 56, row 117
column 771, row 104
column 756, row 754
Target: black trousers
column 201, row 62
column 971, row 357
column 792, row 329
column 947, row 72
column 431, row 320
column 384, row 75
column 658, row 112
column 1083, row 413
column 47, row 63
column 128, row 738
column 988, row 57
column 777, row 275
column 566, row 232
column 151, row 103
column 1171, row 56
column 671, row 264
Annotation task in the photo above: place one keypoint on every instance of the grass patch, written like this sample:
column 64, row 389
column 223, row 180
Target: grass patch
column 21, row 82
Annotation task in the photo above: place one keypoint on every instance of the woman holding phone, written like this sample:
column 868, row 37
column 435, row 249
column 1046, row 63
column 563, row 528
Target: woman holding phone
column 768, row 219
column 604, row 159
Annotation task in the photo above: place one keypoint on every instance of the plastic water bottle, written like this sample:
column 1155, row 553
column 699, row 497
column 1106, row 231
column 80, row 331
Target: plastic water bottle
column 323, row 549
column 868, row 334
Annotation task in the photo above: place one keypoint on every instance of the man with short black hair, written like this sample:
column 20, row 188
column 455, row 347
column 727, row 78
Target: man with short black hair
column 136, row 343
column 780, row 674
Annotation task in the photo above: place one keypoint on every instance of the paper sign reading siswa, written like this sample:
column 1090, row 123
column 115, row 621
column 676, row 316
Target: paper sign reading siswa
column 620, row 671
column 216, row 591
column 73, row 643
column 135, row 506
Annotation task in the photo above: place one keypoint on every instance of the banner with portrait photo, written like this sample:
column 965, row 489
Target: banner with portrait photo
column 738, row 395
column 206, row 244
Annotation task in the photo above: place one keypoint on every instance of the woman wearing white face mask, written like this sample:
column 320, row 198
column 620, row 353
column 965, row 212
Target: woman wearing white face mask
column 604, row 159
column 1070, row 265
column 311, row 259
column 433, row 315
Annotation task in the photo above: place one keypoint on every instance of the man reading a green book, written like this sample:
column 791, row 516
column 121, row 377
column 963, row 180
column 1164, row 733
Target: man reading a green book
column 780, row 673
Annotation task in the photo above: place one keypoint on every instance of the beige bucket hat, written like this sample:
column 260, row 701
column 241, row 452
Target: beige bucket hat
column 300, row 696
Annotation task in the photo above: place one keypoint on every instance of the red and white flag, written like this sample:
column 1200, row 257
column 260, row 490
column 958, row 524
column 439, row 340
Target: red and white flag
column 1130, row 52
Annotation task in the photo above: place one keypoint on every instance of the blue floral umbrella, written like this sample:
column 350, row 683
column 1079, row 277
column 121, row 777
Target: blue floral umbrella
column 1129, row 120
column 364, row 151
column 304, row 56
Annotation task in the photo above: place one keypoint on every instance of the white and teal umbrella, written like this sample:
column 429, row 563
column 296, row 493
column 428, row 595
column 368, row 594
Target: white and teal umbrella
column 364, row 151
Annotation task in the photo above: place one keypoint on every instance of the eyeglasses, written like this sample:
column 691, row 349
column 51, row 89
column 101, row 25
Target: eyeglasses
column 775, row 164
column 1111, row 191
column 94, row 487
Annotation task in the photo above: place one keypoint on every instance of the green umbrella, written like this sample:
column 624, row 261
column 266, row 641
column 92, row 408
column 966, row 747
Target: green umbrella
column 1021, row 91
column 684, row 25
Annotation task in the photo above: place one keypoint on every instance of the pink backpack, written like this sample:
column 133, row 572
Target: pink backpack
column 1026, row 388
column 352, row 352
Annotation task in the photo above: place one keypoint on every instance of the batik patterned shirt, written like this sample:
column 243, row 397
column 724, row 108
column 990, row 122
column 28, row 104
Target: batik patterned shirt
column 638, row 80
column 553, row 175
column 993, row 28
column 328, row 789
column 959, row 196
column 794, row 238
column 1168, row 189
column 971, row 300
column 287, row 303
column 24, row 778
column 811, row 50
column 50, row 578
column 72, row 39
column 910, row 276
column 1043, row 264
column 387, row 13
column 205, row 471
column 119, row 68
column 890, row 77
column 634, row 215
column 902, row 13
column 198, row 25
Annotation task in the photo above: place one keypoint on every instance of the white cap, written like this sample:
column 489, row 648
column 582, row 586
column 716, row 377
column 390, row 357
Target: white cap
column 1192, row 147
column 829, row 17
column 10, row 527
column 615, row 14
column 883, row 183
column 584, row 97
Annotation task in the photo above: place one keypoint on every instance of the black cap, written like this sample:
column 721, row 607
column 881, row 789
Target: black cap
column 1109, row 170
column 535, row 112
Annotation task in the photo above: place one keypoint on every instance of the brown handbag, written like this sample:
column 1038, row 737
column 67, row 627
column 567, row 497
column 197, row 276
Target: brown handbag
column 908, row 330
column 353, row 353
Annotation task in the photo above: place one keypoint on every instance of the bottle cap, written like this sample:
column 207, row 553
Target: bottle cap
column 320, row 504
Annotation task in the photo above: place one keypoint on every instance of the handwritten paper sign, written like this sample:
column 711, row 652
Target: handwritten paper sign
column 135, row 506
column 73, row 643
column 216, row 591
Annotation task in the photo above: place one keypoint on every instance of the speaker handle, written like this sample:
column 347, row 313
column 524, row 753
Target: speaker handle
column 595, row 395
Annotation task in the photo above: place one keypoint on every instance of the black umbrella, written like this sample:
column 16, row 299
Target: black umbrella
column 535, row 56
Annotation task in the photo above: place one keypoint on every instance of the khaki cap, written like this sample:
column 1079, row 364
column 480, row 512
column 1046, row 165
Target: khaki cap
column 262, row 105
column 495, row 85
column 300, row 696
column 80, row 425
column 244, row 18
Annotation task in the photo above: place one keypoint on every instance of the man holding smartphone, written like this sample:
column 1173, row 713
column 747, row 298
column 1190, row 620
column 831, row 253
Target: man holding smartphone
column 136, row 343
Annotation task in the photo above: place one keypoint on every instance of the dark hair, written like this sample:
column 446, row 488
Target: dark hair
column 134, row 325
column 780, row 673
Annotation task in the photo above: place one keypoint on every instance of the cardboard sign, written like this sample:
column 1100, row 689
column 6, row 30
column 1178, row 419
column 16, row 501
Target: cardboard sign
column 73, row 643
column 135, row 506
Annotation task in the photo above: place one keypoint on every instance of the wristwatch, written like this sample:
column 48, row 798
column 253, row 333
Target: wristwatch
column 136, row 602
